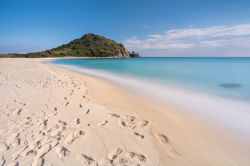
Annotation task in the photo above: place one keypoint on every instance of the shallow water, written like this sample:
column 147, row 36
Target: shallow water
column 228, row 77
column 214, row 89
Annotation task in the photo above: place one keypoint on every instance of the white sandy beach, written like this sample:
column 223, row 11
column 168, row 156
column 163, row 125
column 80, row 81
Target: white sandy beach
column 54, row 116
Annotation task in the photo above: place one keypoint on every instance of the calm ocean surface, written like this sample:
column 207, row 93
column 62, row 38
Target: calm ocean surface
column 214, row 89
column 227, row 77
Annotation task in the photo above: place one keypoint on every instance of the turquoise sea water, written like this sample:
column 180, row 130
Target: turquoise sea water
column 226, row 77
column 214, row 89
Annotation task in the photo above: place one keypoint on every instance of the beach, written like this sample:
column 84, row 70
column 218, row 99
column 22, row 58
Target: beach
column 50, row 115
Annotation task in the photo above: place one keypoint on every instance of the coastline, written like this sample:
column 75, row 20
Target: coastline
column 170, row 137
column 227, row 113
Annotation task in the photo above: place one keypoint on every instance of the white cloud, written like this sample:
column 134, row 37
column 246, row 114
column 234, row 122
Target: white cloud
column 192, row 39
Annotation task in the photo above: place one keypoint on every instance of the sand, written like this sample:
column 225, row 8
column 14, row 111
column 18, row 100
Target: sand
column 53, row 116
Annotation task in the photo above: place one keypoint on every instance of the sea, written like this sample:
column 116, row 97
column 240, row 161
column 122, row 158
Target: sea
column 214, row 88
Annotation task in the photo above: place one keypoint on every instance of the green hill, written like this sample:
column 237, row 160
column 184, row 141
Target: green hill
column 89, row 45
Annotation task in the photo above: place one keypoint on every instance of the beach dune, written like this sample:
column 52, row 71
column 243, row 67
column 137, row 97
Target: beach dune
column 54, row 116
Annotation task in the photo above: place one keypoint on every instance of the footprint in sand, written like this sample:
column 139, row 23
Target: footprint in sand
column 13, row 164
column 62, row 122
column 105, row 162
column 45, row 122
column 161, row 138
column 137, row 156
column 102, row 123
column 3, row 147
column 123, row 123
column 62, row 152
column 18, row 152
column 72, row 136
column 29, row 151
column 51, row 115
column 114, row 115
column 137, row 134
column 43, row 150
column 130, row 118
column 142, row 123
column 115, row 153
column 129, row 121
column 66, row 104
column 87, row 112
column 14, row 140
column 78, row 121
column 17, row 112
column 121, row 161
column 2, row 160
column 55, row 133
column 38, row 162
column 54, row 142
column 85, row 160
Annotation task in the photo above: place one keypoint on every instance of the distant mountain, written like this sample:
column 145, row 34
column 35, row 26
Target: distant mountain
column 89, row 45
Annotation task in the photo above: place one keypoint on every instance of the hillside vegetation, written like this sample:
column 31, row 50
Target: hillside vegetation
column 89, row 45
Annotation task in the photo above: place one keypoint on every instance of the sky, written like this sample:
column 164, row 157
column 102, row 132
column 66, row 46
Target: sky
column 150, row 27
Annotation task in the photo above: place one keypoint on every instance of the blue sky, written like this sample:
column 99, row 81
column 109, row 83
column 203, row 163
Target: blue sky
column 152, row 27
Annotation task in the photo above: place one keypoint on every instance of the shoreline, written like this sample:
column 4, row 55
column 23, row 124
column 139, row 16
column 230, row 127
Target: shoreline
column 227, row 113
column 173, row 109
column 170, row 137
